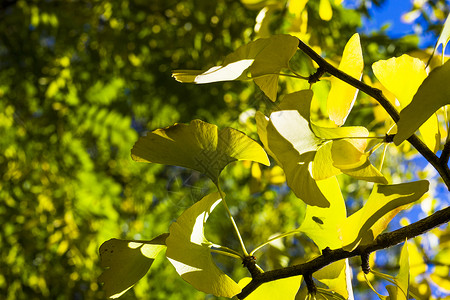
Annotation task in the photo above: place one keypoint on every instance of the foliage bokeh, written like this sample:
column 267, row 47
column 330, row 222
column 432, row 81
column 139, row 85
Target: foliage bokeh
column 81, row 80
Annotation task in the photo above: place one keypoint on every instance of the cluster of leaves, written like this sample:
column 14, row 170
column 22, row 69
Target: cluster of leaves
column 311, row 151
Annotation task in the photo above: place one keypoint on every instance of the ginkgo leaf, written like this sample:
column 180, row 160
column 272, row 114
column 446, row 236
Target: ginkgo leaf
column 321, row 224
column 199, row 146
column 189, row 251
column 337, row 276
column 285, row 288
column 232, row 71
column 444, row 37
column 304, row 153
column 402, row 278
column 342, row 95
column 263, row 58
column 431, row 95
column 382, row 200
column 127, row 261
column 403, row 76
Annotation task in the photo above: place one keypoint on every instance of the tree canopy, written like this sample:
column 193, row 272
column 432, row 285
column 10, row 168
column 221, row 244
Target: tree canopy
column 293, row 171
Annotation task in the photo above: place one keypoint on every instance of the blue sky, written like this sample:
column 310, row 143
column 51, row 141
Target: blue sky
column 390, row 15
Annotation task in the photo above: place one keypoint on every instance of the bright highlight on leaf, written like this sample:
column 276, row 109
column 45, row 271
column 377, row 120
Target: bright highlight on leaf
column 189, row 251
column 279, row 289
column 199, row 146
column 342, row 95
column 431, row 95
column 127, row 261
column 403, row 76
column 444, row 37
column 311, row 152
column 229, row 72
column 383, row 199
column 263, row 58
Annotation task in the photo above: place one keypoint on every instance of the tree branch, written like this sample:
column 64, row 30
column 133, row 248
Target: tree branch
column 383, row 241
column 324, row 66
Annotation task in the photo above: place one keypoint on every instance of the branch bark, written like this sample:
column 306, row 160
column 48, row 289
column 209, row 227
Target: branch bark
column 383, row 241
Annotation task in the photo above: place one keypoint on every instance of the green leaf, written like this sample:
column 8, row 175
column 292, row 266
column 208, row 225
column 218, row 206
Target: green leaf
column 402, row 76
column 382, row 200
column 189, row 251
column 199, row 146
column 431, row 95
column 342, row 95
column 127, row 261
column 263, row 58
column 285, row 288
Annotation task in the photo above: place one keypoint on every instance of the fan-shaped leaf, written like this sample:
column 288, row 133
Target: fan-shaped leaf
column 199, row 146
column 431, row 95
column 382, row 200
column 127, row 262
column 189, row 251
column 264, row 58
column 402, row 76
column 285, row 288
column 342, row 95
column 320, row 224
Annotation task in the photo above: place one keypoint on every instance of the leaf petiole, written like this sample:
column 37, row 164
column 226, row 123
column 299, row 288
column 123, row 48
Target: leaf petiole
column 273, row 239
column 226, row 253
column 241, row 241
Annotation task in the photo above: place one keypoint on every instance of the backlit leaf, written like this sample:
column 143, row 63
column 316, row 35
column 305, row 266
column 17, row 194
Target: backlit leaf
column 431, row 95
column 342, row 95
column 306, row 153
column 189, row 251
column 127, row 261
column 402, row 76
column 285, row 288
column 199, row 146
column 382, row 200
column 337, row 276
column 321, row 224
column 263, row 58
column 444, row 37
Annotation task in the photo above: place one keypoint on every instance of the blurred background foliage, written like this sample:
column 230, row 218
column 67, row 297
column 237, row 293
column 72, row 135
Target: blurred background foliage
column 81, row 80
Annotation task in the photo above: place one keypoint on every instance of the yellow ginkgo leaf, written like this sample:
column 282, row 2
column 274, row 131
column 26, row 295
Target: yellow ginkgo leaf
column 403, row 76
column 189, row 251
column 199, row 146
column 127, row 261
column 342, row 95
column 263, row 58
column 325, row 10
column 432, row 94
column 382, row 200
column 285, row 288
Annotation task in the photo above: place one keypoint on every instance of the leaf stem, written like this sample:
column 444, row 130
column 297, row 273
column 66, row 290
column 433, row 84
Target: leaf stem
column 273, row 239
column 241, row 241
column 225, row 253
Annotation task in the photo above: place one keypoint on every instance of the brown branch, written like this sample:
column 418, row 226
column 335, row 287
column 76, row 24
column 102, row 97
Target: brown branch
column 383, row 241
column 445, row 155
column 324, row 66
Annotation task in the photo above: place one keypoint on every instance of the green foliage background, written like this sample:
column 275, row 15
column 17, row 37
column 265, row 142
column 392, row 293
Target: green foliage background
column 79, row 82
